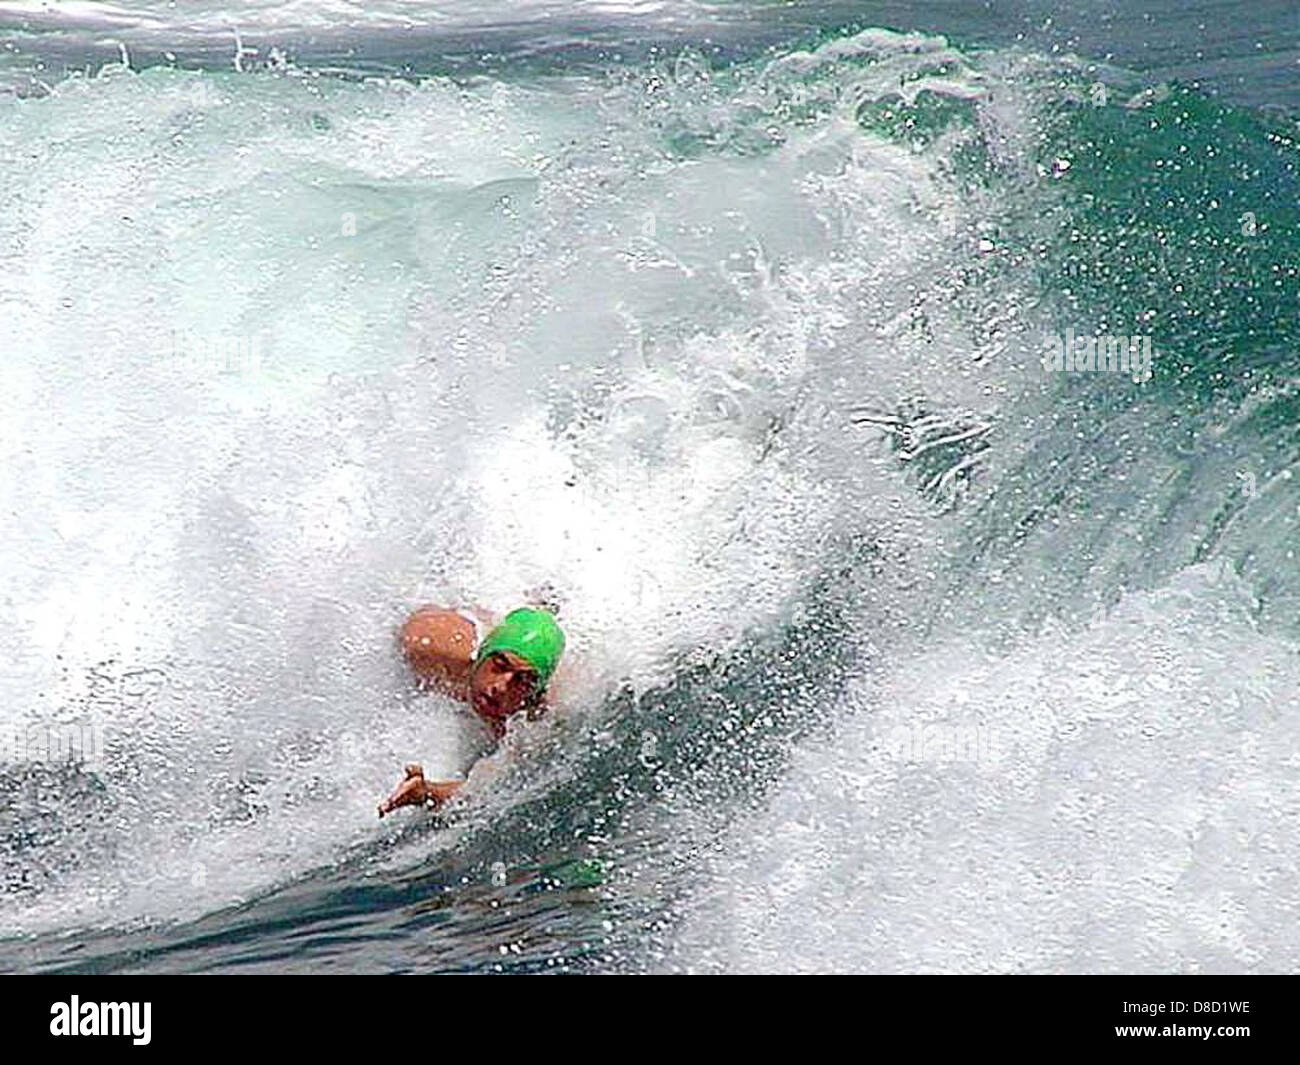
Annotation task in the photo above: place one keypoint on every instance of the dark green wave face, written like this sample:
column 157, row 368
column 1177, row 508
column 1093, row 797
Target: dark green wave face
column 1174, row 215
column 734, row 329
column 1137, row 211
column 1182, row 222
column 1177, row 220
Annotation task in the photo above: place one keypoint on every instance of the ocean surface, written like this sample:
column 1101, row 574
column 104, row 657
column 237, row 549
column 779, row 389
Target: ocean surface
column 896, row 645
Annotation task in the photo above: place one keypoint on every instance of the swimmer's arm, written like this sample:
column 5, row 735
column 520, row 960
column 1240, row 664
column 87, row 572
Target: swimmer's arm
column 414, row 790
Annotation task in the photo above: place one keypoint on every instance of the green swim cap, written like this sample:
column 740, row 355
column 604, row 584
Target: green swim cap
column 533, row 635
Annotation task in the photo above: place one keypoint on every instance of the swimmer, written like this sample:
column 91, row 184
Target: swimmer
column 504, row 673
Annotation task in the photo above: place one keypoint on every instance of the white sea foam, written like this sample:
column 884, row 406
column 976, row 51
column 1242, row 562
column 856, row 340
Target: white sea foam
column 603, row 334
column 502, row 338
column 1128, row 808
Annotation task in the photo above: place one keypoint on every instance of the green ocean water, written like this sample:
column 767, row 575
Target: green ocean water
column 733, row 329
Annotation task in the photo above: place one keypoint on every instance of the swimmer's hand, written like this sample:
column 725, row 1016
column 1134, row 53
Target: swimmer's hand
column 414, row 790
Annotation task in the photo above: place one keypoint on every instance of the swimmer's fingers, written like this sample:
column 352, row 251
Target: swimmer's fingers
column 416, row 791
column 410, row 792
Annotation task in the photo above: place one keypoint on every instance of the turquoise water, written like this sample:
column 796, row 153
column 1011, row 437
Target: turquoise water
column 894, row 650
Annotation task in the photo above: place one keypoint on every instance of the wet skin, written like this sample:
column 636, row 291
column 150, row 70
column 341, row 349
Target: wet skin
column 439, row 646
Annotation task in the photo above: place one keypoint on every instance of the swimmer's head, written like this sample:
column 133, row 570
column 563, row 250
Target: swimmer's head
column 515, row 662
column 502, row 684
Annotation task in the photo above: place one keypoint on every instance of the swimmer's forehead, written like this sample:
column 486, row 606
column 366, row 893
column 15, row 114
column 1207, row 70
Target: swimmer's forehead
column 508, row 659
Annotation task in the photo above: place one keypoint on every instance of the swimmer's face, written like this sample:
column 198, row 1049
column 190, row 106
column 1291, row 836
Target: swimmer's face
column 501, row 685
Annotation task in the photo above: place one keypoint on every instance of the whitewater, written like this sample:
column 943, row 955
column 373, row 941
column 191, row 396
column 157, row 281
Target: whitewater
column 894, row 648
